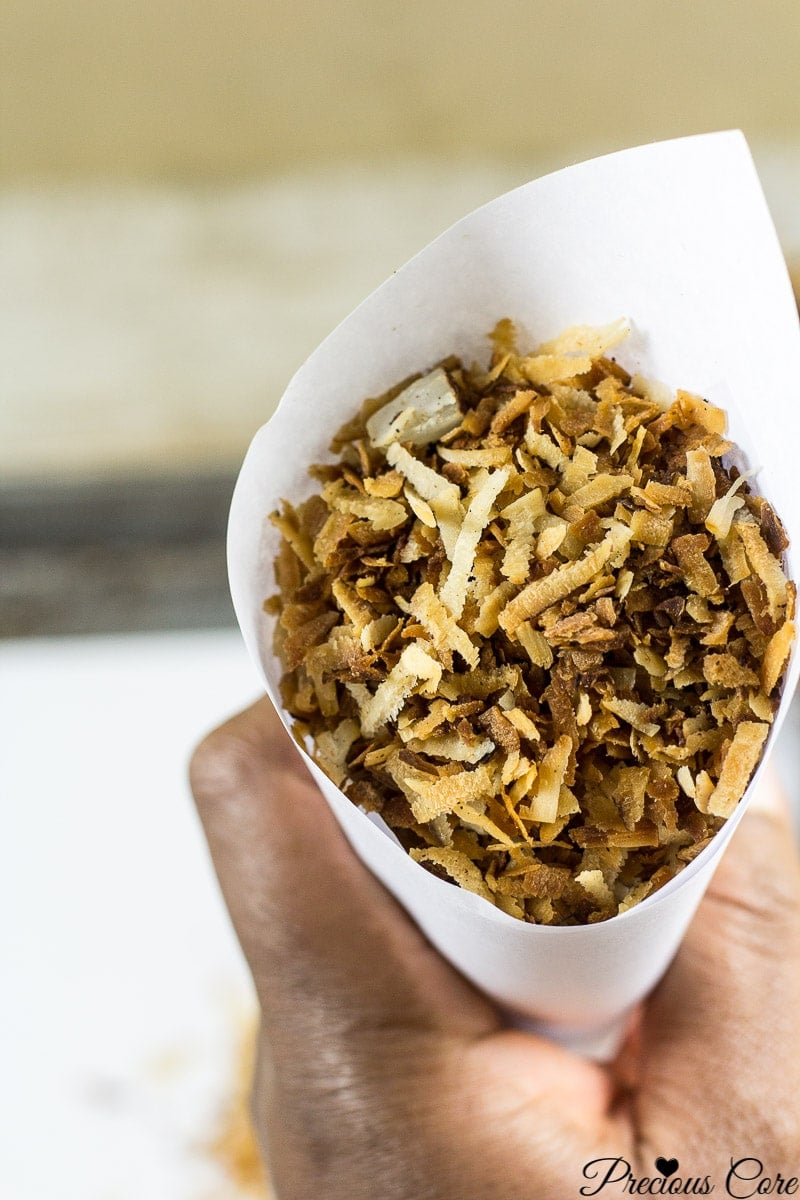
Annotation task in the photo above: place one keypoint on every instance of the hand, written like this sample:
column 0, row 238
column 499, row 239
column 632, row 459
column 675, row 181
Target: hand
column 383, row 1074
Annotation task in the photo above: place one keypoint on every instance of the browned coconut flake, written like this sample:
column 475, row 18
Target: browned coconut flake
column 535, row 622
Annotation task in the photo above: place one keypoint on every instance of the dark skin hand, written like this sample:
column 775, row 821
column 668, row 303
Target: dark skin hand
column 382, row 1073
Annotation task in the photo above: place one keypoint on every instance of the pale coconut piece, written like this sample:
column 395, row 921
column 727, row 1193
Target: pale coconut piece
column 723, row 510
column 443, row 497
column 454, row 592
column 423, row 412
column 415, row 664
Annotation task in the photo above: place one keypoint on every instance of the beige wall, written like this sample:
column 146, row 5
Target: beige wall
column 155, row 324
column 187, row 89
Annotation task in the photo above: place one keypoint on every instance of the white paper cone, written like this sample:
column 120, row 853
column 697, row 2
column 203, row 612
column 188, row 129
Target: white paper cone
column 677, row 237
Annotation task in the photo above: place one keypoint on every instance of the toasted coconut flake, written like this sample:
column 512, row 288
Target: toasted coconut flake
column 460, row 869
column 588, row 339
column 493, row 456
column 487, row 621
column 514, row 408
column 618, row 433
column 623, row 585
column 596, row 888
column 703, row 483
column 766, row 566
column 388, row 485
column 333, row 746
column 415, row 664
column 479, row 823
column 357, row 610
column 439, row 713
column 651, row 529
column 761, row 707
column 734, row 559
column 689, row 552
column 452, row 746
column 662, row 495
column 501, row 731
column 776, row 656
column 535, row 645
column 428, row 483
column 583, row 713
column 658, row 394
column 631, row 712
column 453, row 594
column 695, row 410
column 543, row 369
column 600, row 490
column 420, row 508
column 632, row 461
column 540, row 594
column 523, row 724
column 545, row 448
column 543, row 805
column 521, row 515
column 376, row 632
column 588, row 837
column 437, row 621
column 578, row 471
column 448, row 793
column 382, row 514
column 444, row 497
column 298, row 539
column 703, row 791
column 551, row 538
column 481, row 683
column 726, row 671
column 738, row 766
column 720, row 627
column 652, row 662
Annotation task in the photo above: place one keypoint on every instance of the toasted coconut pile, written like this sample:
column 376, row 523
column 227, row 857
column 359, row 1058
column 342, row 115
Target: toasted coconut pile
column 535, row 622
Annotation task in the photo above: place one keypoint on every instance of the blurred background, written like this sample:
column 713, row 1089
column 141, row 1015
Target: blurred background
column 192, row 194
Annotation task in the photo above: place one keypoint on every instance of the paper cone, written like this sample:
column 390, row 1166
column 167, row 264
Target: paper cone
column 675, row 236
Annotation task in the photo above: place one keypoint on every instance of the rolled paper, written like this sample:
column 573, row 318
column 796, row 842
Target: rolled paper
column 677, row 237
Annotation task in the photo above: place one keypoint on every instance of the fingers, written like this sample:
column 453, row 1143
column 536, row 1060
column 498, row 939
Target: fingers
column 320, row 934
column 423, row 1093
column 721, row 1035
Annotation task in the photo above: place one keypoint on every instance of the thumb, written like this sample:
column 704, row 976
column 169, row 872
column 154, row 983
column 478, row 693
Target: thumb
column 721, row 1034
column 324, row 940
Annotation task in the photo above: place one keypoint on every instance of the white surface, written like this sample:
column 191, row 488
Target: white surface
column 122, row 984
column 665, row 235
